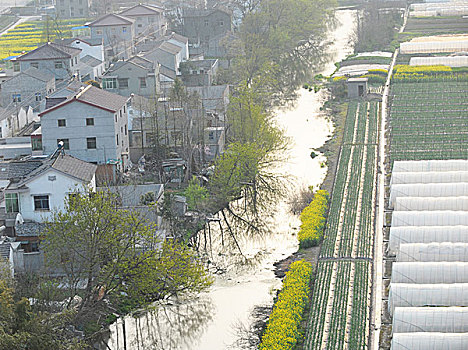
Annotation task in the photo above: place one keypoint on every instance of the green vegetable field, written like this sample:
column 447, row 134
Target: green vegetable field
column 428, row 120
column 339, row 316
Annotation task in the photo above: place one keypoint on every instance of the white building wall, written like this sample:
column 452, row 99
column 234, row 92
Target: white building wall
column 57, row 190
column 106, row 126
column 96, row 51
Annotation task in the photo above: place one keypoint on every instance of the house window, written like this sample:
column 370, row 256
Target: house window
column 16, row 97
column 109, row 83
column 76, row 60
column 125, row 129
column 124, row 29
column 123, row 83
column 66, row 143
column 124, row 109
column 16, row 67
column 142, row 82
column 91, row 143
column 35, row 64
column 140, row 25
column 38, row 96
column 11, row 202
column 117, row 138
column 206, row 23
column 36, row 143
column 58, row 64
column 211, row 136
column 99, row 32
column 41, row 202
column 221, row 23
column 89, row 121
column 61, row 123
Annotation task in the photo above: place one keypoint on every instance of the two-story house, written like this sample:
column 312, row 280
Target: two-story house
column 201, row 26
column 72, row 8
column 149, row 19
column 199, row 72
column 59, row 60
column 136, row 75
column 93, row 125
column 27, row 88
column 117, row 34
column 167, row 55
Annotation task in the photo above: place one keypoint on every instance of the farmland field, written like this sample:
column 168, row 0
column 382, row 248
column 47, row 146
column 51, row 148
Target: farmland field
column 339, row 316
column 29, row 35
column 428, row 120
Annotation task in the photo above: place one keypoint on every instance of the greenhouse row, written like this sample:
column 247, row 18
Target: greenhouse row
column 412, row 47
column 428, row 294
column 451, row 61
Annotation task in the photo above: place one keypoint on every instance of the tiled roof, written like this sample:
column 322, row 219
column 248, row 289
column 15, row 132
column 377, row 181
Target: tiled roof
column 171, row 48
column 49, row 51
column 75, row 167
column 142, row 10
column 178, row 37
column 10, row 170
column 111, row 19
column 142, row 61
column 5, row 250
column 94, row 96
column 38, row 74
column 29, row 229
column 91, row 61
column 89, row 41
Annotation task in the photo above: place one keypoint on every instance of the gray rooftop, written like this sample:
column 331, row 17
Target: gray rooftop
column 111, row 19
column 91, row 61
column 75, row 167
column 131, row 194
column 171, row 48
column 49, row 51
column 142, row 10
column 142, row 62
column 17, row 169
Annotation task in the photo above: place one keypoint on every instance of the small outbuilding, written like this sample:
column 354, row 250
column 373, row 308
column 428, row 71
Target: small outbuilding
column 357, row 87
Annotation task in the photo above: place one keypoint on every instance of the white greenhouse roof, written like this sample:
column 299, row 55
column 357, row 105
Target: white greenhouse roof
column 429, row 218
column 433, row 47
column 430, row 341
column 429, row 177
column 430, row 165
column 444, row 251
column 408, row 294
column 430, row 272
column 431, row 203
column 425, row 234
column 451, row 61
column 452, row 319
column 428, row 190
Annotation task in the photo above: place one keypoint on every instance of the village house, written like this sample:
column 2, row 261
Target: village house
column 91, row 123
column 59, row 60
column 168, row 55
column 31, row 190
column 90, row 68
column 199, row 72
column 117, row 34
column 136, row 75
column 72, row 8
column 28, row 88
column 201, row 26
column 149, row 19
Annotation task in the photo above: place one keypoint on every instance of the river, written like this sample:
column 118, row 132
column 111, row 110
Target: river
column 216, row 319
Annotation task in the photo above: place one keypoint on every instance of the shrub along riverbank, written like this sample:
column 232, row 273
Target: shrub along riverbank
column 313, row 219
column 283, row 328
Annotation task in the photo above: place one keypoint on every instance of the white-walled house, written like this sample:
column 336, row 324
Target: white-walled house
column 149, row 19
column 36, row 194
column 92, row 123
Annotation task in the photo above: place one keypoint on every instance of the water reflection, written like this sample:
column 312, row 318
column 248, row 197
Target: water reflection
column 173, row 325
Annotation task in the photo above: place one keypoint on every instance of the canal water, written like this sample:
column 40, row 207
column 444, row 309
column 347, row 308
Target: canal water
column 217, row 319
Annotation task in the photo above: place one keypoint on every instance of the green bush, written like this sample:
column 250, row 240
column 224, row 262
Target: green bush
column 313, row 219
column 283, row 328
column 374, row 78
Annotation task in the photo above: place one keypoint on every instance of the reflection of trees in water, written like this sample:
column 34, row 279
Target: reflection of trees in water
column 249, row 337
column 170, row 326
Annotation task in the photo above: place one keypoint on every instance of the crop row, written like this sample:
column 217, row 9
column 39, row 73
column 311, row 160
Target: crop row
column 341, row 297
column 283, row 328
column 429, row 121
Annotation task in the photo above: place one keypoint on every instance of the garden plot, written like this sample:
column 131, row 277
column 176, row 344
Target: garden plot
column 339, row 317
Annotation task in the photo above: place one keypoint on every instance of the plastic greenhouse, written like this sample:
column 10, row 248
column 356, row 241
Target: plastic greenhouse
column 408, row 294
column 430, row 272
column 432, row 341
column 429, row 218
column 428, row 190
column 430, row 203
column 430, row 165
column 429, row 177
column 453, row 319
column 451, row 61
column 412, row 47
column 425, row 234
column 445, row 251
